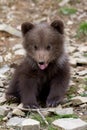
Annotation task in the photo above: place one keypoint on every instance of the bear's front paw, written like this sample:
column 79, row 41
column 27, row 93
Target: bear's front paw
column 52, row 102
column 31, row 105
column 11, row 98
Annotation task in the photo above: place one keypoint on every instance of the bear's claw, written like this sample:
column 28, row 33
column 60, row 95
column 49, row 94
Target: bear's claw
column 53, row 102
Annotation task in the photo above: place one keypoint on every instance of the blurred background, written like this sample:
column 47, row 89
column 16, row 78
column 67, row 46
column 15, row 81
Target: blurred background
column 14, row 12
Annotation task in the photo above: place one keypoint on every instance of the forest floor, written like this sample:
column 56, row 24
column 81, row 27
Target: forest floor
column 74, row 15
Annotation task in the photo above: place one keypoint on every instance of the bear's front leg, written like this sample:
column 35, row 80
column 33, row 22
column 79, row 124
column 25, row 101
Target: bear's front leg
column 12, row 93
column 28, row 92
column 58, row 87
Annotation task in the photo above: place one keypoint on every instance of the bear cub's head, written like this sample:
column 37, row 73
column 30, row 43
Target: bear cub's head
column 43, row 42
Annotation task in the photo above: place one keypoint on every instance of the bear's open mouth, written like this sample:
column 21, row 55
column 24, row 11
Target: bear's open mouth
column 42, row 67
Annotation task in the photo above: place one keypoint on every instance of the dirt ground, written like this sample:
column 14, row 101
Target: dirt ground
column 15, row 12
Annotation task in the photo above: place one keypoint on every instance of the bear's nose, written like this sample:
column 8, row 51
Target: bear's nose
column 41, row 62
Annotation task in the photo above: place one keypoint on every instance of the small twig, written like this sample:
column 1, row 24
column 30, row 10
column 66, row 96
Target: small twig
column 33, row 110
column 67, row 104
column 28, row 109
column 44, row 119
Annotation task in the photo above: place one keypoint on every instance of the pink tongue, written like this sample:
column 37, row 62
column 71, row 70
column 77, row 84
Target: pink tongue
column 42, row 67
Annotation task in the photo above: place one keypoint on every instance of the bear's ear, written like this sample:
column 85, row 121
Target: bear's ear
column 25, row 27
column 58, row 25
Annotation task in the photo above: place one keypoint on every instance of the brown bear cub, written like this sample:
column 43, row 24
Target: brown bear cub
column 43, row 76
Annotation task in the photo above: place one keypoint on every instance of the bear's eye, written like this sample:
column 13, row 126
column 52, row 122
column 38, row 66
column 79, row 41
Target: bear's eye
column 35, row 47
column 48, row 47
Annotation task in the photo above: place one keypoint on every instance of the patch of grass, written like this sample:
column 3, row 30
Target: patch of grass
column 72, row 91
column 51, row 128
column 37, row 117
column 86, row 79
column 49, row 119
column 85, row 88
column 83, row 95
column 82, row 29
column 68, row 11
column 1, row 118
column 85, row 54
column 68, row 116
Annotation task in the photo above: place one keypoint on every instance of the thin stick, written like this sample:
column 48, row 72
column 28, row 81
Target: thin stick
column 44, row 119
column 33, row 110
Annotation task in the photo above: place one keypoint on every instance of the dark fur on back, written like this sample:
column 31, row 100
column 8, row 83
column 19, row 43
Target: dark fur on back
column 32, row 85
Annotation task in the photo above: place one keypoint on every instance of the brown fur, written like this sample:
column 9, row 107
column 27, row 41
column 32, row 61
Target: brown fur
column 32, row 85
